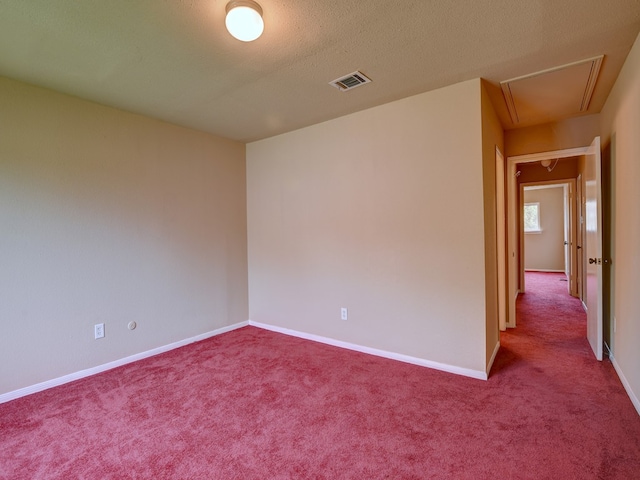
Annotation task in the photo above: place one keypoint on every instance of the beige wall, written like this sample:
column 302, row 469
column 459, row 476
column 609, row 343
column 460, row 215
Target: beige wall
column 571, row 133
column 621, row 138
column 110, row 217
column 380, row 212
column 545, row 250
column 492, row 137
column 566, row 168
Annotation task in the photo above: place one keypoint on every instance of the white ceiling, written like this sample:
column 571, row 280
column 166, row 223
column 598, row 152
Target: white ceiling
column 174, row 60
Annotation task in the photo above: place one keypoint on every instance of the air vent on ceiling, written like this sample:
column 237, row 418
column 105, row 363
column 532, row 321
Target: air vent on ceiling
column 352, row 80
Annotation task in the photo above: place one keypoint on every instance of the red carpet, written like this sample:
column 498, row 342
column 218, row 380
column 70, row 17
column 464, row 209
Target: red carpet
column 252, row 404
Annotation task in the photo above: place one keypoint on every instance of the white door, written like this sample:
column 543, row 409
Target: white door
column 512, row 235
column 593, row 224
column 581, row 235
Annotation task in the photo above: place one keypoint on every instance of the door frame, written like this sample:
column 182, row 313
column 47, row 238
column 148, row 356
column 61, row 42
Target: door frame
column 569, row 206
column 513, row 248
column 501, row 236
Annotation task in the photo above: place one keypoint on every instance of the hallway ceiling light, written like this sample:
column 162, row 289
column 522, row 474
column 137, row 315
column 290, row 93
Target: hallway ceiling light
column 244, row 20
column 547, row 164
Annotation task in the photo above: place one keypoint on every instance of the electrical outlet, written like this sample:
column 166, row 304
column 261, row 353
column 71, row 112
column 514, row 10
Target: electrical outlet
column 98, row 330
column 344, row 313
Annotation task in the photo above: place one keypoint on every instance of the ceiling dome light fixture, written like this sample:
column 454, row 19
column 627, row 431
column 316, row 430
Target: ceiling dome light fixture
column 244, row 20
column 547, row 164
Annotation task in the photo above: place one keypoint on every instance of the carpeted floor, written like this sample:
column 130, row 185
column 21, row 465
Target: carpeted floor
column 253, row 404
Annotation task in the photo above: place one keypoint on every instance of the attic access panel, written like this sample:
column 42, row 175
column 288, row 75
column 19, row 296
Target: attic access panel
column 564, row 90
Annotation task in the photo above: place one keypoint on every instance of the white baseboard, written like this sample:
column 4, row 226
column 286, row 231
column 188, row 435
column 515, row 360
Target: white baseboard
column 38, row 387
column 625, row 384
column 543, row 270
column 493, row 357
column 467, row 372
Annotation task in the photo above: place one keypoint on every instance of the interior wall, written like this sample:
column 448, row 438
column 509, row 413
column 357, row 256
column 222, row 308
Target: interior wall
column 109, row 217
column 545, row 250
column 492, row 137
column 566, row 168
column 380, row 212
column 620, row 127
column 571, row 133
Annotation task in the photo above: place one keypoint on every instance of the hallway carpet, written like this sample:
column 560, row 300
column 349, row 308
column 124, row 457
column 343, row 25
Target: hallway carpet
column 252, row 404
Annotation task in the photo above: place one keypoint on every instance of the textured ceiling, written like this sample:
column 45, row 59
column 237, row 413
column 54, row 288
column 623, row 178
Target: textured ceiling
column 174, row 60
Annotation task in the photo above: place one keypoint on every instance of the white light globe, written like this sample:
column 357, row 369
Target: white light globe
column 244, row 22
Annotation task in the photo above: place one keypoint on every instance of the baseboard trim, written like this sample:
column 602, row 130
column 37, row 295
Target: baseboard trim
column 38, row 387
column 466, row 372
column 493, row 357
column 543, row 270
column 625, row 384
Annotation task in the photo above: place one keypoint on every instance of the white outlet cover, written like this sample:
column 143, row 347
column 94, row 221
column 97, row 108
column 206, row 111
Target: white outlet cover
column 98, row 330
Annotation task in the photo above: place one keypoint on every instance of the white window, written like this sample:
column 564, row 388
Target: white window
column 532, row 218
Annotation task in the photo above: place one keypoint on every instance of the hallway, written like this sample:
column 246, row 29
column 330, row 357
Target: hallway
column 547, row 310
column 566, row 399
column 551, row 333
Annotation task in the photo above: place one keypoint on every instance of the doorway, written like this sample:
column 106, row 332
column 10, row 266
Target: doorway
column 591, row 218
column 515, row 259
column 550, row 235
